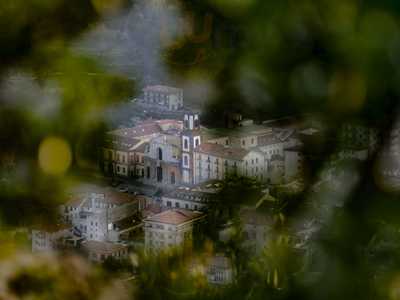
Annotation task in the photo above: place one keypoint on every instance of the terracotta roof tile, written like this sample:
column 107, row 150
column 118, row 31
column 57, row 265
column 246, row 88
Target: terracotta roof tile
column 175, row 216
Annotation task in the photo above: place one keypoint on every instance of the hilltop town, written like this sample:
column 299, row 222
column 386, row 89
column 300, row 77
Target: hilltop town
column 166, row 181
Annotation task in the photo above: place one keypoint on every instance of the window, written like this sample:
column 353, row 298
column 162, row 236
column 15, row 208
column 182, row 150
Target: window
column 169, row 204
column 172, row 177
column 227, row 142
column 148, row 172
column 159, row 174
column 185, row 143
column 243, row 142
column 257, row 160
column 196, row 141
column 177, row 204
column 252, row 141
column 185, row 160
column 160, row 154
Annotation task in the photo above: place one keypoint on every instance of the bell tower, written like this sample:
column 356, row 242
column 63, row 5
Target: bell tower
column 190, row 140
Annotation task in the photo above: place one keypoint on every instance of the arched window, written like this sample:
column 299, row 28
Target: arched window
column 159, row 154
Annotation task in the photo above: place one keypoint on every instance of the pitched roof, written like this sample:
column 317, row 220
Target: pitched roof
column 120, row 142
column 222, row 151
column 268, row 139
column 193, row 195
column 82, row 193
column 175, row 216
column 146, row 129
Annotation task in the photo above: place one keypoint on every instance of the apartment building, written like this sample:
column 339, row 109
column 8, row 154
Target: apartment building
column 170, row 229
column 49, row 238
column 192, row 198
column 215, row 162
column 93, row 212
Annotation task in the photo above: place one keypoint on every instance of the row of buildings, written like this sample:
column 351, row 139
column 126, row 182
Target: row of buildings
column 173, row 153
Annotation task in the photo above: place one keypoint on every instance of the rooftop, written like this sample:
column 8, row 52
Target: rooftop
column 222, row 151
column 79, row 195
column 175, row 216
column 243, row 131
column 188, row 194
column 143, row 130
column 120, row 142
column 162, row 89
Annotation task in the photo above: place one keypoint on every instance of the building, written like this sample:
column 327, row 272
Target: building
column 99, row 251
column 361, row 136
column 215, row 162
column 123, row 149
column 216, row 269
column 163, row 97
column 120, row 156
column 162, row 159
column 246, row 136
column 194, row 198
column 294, row 163
column 276, row 169
column 191, row 139
column 275, row 142
column 94, row 211
column 49, row 238
column 219, row 270
column 170, row 228
column 170, row 124
column 256, row 229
